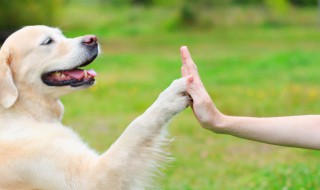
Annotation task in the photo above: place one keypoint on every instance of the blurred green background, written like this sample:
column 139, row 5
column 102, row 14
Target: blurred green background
column 256, row 57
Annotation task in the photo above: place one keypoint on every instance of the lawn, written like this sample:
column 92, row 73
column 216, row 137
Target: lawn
column 252, row 71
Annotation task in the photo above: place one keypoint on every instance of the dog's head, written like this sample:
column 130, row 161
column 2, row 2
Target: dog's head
column 43, row 60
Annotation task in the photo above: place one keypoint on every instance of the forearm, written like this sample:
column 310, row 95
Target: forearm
column 293, row 131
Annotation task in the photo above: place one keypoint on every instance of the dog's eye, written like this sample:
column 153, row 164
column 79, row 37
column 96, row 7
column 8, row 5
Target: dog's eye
column 47, row 41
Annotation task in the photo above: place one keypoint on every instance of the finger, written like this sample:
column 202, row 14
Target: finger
column 195, row 84
column 184, row 71
column 196, row 89
column 193, row 89
column 188, row 62
column 190, row 78
column 184, row 53
column 185, row 56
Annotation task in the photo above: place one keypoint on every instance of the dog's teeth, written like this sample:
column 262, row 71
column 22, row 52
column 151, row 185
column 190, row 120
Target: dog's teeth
column 62, row 75
column 56, row 73
column 85, row 74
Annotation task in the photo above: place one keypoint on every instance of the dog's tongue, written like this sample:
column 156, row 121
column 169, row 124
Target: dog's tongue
column 76, row 73
column 80, row 74
column 92, row 72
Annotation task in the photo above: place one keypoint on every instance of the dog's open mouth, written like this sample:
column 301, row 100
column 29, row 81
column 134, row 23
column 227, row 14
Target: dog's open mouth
column 74, row 77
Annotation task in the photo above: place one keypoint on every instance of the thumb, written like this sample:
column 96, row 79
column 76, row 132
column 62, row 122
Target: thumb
column 197, row 90
column 192, row 88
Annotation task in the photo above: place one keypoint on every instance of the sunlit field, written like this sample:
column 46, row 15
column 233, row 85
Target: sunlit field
column 253, row 71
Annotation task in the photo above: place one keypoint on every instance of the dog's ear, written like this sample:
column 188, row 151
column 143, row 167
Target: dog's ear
column 8, row 90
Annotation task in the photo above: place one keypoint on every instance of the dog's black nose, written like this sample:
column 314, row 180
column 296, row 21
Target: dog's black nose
column 90, row 40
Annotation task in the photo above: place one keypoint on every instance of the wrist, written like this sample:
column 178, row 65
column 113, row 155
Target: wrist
column 218, row 123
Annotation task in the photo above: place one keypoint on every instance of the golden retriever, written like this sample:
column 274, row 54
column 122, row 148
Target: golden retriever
column 38, row 64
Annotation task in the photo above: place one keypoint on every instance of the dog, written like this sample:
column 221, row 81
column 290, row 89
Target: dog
column 38, row 64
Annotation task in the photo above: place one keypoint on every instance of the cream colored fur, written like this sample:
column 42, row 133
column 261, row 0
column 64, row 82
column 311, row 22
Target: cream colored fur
column 37, row 152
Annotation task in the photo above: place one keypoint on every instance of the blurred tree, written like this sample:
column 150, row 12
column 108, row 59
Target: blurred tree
column 18, row 13
column 121, row 3
column 142, row 2
column 276, row 11
column 117, row 3
column 248, row 2
column 192, row 13
column 277, row 7
column 188, row 13
column 299, row 3
column 167, row 3
column 304, row 3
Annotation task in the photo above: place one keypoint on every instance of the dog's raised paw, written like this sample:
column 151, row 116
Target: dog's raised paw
column 176, row 98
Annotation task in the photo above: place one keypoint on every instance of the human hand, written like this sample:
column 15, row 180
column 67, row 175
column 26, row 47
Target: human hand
column 204, row 109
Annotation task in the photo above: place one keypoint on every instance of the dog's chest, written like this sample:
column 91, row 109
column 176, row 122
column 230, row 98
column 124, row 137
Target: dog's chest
column 39, row 152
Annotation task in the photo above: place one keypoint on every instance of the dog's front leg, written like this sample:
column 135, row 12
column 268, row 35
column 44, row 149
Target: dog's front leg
column 131, row 161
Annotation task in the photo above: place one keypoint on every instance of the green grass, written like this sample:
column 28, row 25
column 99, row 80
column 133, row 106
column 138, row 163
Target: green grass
column 253, row 71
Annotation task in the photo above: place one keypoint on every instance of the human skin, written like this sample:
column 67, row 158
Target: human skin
column 294, row 131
